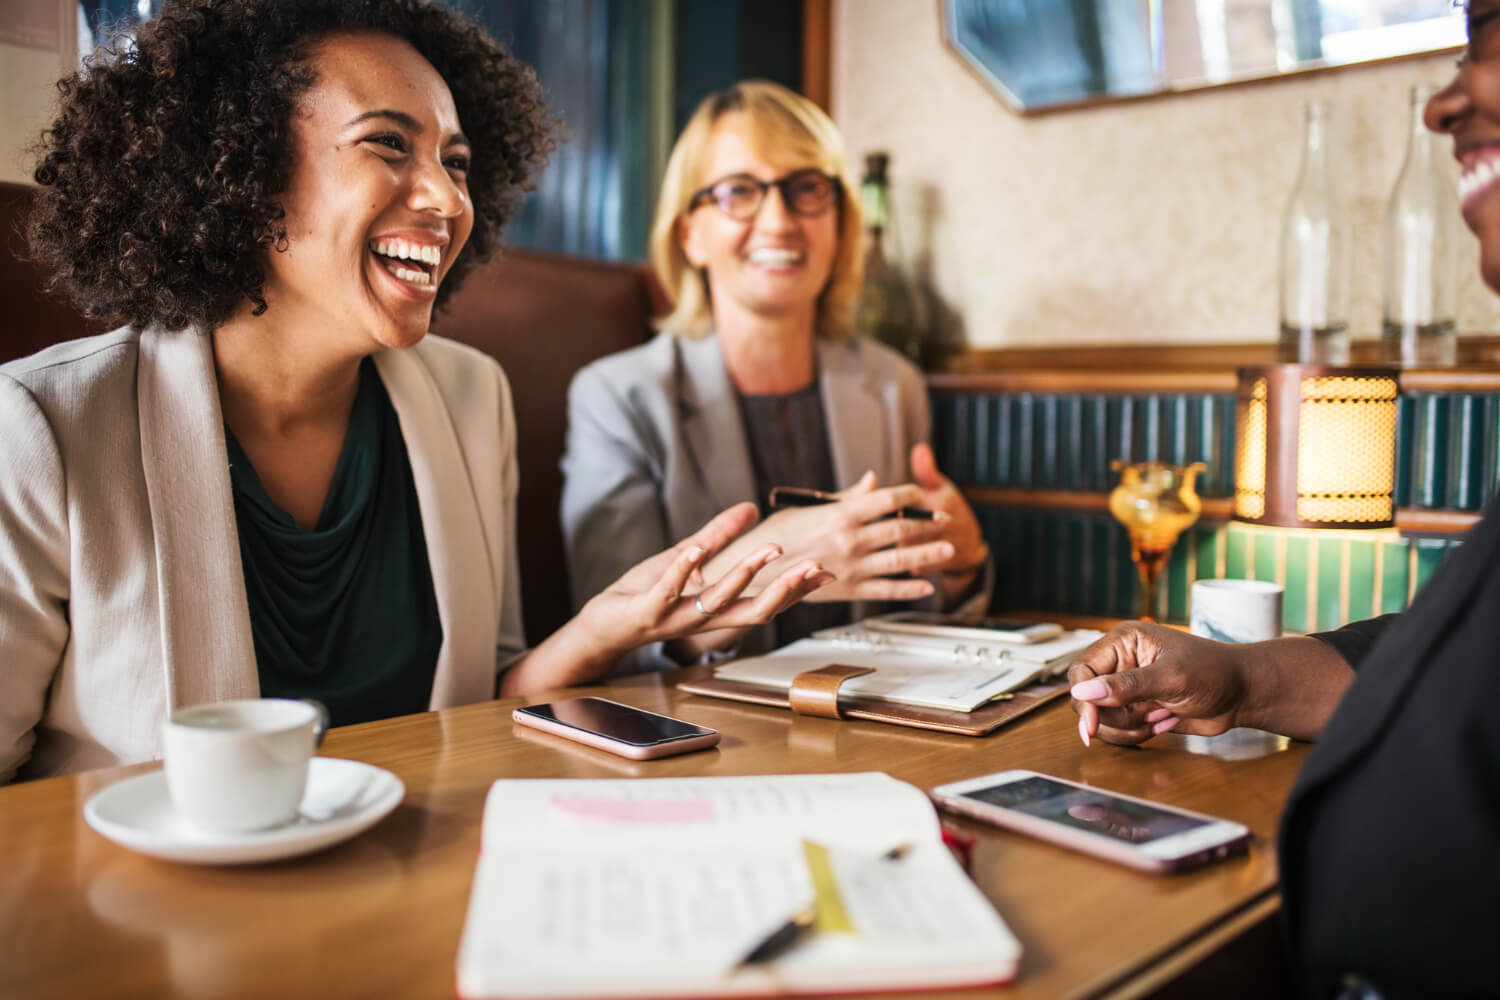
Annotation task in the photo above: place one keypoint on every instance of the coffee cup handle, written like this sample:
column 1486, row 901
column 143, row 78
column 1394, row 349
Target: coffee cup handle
column 320, row 728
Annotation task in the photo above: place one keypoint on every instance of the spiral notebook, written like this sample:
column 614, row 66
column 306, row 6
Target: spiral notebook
column 912, row 680
column 660, row 887
column 923, row 671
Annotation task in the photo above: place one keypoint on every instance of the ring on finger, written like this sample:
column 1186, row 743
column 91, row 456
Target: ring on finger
column 698, row 607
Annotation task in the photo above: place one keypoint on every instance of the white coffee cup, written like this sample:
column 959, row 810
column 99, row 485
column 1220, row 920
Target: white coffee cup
column 239, row 766
column 1236, row 610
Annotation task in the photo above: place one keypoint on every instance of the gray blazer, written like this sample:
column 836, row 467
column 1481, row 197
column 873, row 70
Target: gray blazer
column 656, row 447
column 121, row 592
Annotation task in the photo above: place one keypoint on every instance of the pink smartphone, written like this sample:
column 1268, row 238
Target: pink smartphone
column 1134, row 832
column 620, row 729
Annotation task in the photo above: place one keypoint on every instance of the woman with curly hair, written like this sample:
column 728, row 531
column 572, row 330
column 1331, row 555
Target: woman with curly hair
column 270, row 480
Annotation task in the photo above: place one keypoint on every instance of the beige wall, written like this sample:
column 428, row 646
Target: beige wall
column 28, row 78
column 1156, row 220
column 26, row 90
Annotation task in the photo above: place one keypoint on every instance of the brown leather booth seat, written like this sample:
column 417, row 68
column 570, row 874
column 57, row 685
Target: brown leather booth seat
column 542, row 316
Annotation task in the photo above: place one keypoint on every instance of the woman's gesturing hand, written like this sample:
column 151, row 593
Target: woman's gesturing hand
column 664, row 597
column 657, row 599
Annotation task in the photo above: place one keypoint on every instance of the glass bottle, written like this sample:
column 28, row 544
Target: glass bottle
column 886, row 309
column 1421, row 249
column 1315, row 256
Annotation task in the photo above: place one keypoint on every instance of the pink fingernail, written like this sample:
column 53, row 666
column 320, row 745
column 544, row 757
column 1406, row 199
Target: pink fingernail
column 771, row 554
column 947, row 550
column 694, row 553
column 1092, row 689
column 1158, row 715
column 1165, row 726
column 940, row 516
column 1083, row 731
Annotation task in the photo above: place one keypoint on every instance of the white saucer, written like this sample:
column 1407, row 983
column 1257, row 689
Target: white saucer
column 343, row 798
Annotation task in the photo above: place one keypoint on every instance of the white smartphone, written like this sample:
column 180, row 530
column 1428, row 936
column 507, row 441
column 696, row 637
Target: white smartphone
column 1134, row 832
column 621, row 729
column 974, row 628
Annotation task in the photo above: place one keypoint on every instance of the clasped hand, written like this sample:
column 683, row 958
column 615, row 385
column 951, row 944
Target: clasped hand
column 667, row 595
column 858, row 540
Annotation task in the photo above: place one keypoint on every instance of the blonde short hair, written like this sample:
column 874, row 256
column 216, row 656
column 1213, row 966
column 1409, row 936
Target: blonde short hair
column 778, row 120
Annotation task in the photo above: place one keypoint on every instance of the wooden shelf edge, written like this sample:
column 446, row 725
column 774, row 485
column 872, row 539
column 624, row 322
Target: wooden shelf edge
column 1409, row 520
column 1076, row 380
column 1214, row 508
column 1417, row 521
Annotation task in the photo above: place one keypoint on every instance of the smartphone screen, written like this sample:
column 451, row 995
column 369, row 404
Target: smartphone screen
column 618, row 722
column 1086, row 809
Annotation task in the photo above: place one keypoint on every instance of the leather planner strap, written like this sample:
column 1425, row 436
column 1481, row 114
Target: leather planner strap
column 816, row 692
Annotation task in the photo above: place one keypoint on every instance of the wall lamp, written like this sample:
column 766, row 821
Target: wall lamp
column 1315, row 446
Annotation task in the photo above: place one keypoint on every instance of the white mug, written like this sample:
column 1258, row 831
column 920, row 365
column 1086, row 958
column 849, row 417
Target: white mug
column 239, row 766
column 1236, row 610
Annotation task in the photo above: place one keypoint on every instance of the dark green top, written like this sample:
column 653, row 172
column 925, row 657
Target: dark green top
column 344, row 613
column 788, row 438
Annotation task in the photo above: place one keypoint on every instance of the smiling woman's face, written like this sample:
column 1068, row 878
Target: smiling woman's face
column 1468, row 109
column 779, row 261
column 378, row 206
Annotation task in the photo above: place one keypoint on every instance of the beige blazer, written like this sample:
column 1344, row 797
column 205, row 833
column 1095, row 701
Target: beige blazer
column 122, row 597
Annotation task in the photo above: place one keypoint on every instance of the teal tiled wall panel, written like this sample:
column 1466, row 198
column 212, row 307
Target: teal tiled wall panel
column 1447, row 457
column 1447, row 450
column 1079, row 562
column 1066, row 441
column 1447, row 444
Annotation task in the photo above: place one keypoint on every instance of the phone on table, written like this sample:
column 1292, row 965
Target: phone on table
column 619, row 729
column 965, row 627
column 1134, row 832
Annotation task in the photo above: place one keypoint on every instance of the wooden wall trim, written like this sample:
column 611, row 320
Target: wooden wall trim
column 1416, row 521
column 1479, row 351
column 1125, row 380
column 1077, row 380
column 1112, row 357
column 1214, row 508
column 817, row 49
column 1409, row 520
column 1450, row 380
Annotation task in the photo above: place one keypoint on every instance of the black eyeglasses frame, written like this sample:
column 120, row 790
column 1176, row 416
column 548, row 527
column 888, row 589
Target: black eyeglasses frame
column 705, row 195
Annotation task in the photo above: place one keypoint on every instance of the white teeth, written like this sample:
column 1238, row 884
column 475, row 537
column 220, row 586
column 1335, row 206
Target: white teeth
column 404, row 250
column 775, row 255
column 415, row 277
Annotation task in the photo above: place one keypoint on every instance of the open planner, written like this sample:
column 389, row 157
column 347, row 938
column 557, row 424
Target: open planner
column 929, row 682
column 661, row 886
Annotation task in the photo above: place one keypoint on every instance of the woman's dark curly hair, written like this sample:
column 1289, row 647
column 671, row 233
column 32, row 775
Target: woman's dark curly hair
column 160, row 175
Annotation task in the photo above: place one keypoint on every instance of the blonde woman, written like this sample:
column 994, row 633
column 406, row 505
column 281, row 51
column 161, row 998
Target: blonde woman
column 756, row 381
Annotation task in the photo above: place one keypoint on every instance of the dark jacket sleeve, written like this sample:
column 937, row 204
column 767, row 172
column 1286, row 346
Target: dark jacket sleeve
column 1354, row 641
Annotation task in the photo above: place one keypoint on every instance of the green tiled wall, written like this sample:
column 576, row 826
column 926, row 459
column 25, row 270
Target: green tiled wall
column 1066, row 441
column 1080, row 562
column 1447, row 457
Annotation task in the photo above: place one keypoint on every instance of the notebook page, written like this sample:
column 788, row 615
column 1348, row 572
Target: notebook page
column 871, row 808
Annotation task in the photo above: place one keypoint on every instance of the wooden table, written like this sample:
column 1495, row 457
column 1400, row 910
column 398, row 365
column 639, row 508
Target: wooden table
column 380, row 915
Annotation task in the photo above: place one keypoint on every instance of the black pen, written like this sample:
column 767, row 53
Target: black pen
column 790, row 931
column 796, row 496
column 782, row 938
